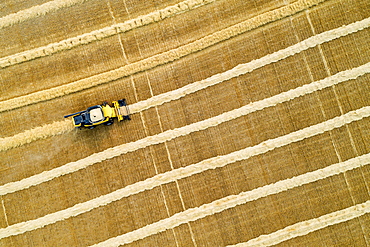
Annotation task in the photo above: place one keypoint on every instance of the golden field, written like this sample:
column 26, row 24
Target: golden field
column 250, row 123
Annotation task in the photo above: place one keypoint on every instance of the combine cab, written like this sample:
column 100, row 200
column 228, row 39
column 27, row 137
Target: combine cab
column 101, row 114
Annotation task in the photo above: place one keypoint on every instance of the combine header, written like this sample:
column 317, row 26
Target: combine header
column 101, row 114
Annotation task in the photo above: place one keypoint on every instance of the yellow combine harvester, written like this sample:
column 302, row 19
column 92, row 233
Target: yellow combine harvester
column 101, row 114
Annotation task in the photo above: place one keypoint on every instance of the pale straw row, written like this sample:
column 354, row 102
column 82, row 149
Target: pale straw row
column 41, row 132
column 164, row 57
column 178, row 132
column 36, row 11
column 245, row 68
column 232, row 201
column 103, row 33
column 305, row 227
column 49, row 130
column 212, row 163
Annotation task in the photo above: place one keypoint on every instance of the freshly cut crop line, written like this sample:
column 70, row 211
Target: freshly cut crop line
column 185, row 130
column 212, row 163
column 196, row 86
column 245, row 68
column 36, row 11
column 164, row 57
column 232, row 201
column 172, row 134
column 28, row 136
column 308, row 226
column 103, row 33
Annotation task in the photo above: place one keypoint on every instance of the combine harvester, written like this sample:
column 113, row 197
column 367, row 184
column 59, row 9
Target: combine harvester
column 101, row 114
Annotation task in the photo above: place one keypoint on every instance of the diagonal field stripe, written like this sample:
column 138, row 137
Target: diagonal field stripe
column 245, row 68
column 225, row 203
column 169, row 56
column 308, row 226
column 174, row 133
column 36, row 11
column 42, row 132
column 100, row 34
column 212, row 163
column 50, row 130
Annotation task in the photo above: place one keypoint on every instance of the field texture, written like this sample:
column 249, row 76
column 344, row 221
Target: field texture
column 250, row 123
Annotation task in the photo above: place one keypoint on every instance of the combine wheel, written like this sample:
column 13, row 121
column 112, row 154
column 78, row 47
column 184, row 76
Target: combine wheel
column 122, row 102
column 110, row 122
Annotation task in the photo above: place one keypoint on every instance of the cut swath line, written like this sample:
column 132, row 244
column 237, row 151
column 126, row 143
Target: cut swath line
column 212, row 163
column 232, row 201
column 103, row 33
column 305, row 227
column 168, row 56
column 242, row 69
column 36, row 11
column 29, row 135
column 172, row 134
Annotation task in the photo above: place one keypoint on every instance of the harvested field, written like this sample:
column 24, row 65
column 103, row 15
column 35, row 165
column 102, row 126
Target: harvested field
column 250, row 123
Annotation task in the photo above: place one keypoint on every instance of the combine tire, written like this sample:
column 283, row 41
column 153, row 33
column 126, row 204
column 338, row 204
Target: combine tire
column 110, row 122
column 122, row 102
